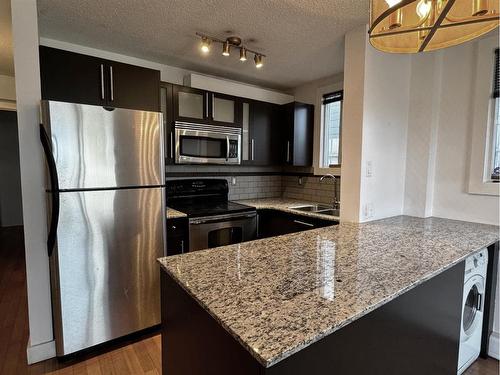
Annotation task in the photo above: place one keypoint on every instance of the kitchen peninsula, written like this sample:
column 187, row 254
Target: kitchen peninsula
column 372, row 298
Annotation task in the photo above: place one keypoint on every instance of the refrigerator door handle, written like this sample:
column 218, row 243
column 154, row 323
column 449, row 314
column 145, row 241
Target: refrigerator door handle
column 54, row 188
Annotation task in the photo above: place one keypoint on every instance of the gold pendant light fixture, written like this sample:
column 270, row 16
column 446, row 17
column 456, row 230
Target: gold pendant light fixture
column 411, row 26
column 232, row 42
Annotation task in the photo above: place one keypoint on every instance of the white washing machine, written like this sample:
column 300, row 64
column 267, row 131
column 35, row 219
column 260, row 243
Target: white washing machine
column 472, row 309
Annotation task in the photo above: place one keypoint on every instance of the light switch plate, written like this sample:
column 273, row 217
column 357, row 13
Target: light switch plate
column 369, row 168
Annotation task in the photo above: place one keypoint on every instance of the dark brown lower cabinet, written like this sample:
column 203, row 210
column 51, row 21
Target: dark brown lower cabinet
column 416, row 333
column 177, row 236
column 275, row 223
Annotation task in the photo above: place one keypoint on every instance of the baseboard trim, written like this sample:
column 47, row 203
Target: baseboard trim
column 494, row 345
column 40, row 352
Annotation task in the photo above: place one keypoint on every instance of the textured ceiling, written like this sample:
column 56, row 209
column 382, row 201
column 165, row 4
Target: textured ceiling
column 6, row 54
column 303, row 39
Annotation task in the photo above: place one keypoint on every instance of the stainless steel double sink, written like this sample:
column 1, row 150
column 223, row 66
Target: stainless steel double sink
column 322, row 209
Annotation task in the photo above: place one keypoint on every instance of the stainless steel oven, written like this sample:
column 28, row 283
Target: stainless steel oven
column 207, row 144
column 213, row 231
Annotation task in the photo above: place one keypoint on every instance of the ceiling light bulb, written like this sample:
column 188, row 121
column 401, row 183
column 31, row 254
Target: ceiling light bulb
column 424, row 8
column 225, row 48
column 391, row 3
column 205, row 45
column 258, row 61
column 243, row 54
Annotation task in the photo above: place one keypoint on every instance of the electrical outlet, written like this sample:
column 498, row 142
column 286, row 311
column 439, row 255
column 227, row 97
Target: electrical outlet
column 369, row 168
column 233, row 181
column 368, row 211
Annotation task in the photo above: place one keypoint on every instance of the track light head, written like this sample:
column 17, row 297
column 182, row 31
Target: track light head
column 225, row 48
column 243, row 54
column 258, row 61
column 205, row 45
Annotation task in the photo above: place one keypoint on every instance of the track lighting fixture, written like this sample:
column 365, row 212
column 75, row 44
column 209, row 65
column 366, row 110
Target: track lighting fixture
column 232, row 42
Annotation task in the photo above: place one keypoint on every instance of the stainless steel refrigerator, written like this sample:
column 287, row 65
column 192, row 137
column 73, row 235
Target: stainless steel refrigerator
column 106, row 203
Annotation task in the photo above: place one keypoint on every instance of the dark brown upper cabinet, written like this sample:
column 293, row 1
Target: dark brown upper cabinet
column 77, row 78
column 263, row 133
column 201, row 106
column 298, row 131
column 190, row 105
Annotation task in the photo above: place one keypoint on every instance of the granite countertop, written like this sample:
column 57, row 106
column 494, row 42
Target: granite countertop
column 278, row 295
column 174, row 214
column 284, row 204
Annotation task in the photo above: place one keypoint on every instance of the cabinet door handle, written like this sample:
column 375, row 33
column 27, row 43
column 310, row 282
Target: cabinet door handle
column 206, row 105
column 213, row 106
column 288, row 151
column 182, row 246
column 253, row 149
column 102, row 81
column 171, row 145
column 111, row 83
column 303, row 223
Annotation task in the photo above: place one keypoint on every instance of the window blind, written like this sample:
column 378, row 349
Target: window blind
column 496, row 84
column 332, row 97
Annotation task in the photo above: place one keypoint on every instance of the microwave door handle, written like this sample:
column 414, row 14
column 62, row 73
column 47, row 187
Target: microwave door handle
column 227, row 147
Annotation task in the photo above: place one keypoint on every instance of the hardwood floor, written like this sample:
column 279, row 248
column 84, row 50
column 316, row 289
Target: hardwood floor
column 127, row 357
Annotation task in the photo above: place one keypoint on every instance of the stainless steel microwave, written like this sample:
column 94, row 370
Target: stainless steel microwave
column 207, row 144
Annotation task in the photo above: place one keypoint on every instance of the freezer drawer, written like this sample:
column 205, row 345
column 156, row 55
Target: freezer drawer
column 105, row 278
column 98, row 148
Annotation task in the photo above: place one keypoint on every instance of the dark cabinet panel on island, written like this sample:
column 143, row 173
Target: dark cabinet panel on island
column 72, row 77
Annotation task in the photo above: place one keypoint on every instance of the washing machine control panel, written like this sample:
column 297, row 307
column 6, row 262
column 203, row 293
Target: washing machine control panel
column 476, row 261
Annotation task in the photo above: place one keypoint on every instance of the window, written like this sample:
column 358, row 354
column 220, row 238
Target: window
column 495, row 164
column 331, row 128
column 484, row 146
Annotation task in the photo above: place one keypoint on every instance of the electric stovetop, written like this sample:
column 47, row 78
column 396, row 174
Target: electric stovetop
column 200, row 208
column 202, row 197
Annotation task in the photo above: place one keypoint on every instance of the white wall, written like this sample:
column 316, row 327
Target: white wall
column 10, row 176
column 451, row 198
column 441, row 119
column 312, row 93
column 385, row 122
column 377, row 87
column 352, row 124
column 28, row 95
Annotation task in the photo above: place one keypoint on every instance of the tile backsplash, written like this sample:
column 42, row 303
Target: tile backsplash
column 266, row 183
column 250, row 187
column 310, row 188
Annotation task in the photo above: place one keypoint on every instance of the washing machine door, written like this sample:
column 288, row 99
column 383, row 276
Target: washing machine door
column 472, row 307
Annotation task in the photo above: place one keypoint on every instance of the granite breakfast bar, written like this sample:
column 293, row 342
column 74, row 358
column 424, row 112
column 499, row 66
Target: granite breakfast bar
column 380, row 297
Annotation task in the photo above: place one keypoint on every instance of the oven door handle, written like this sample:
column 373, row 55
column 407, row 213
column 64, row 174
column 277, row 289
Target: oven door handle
column 216, row 219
